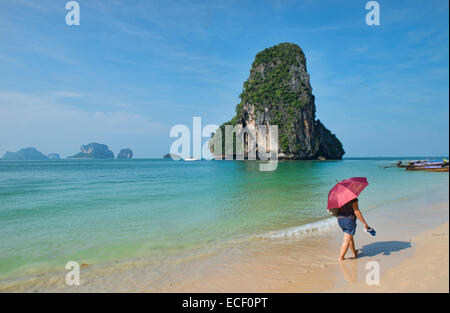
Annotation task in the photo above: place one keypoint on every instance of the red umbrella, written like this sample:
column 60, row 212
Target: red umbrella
column 346, row 191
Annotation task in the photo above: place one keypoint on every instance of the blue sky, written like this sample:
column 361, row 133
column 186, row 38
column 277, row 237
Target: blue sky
column 133, row 69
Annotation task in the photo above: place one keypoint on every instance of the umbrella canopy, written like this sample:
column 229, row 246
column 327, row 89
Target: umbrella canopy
column 346, row 191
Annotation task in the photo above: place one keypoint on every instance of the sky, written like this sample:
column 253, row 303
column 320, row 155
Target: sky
column 133, row 69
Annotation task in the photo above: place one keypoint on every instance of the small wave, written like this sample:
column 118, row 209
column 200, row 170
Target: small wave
column 319, row 226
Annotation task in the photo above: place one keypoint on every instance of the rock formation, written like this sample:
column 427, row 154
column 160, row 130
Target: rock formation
column 93, row 151
column 125, row 154
column 25, row 154
column 171, row 156
column 278, row 92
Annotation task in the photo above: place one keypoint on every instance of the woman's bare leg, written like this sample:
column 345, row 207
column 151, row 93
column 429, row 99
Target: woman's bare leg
column 352, row 247
column 344, row 246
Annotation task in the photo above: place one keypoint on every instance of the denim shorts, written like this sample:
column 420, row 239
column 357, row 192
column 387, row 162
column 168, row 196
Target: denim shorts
column 347, row 224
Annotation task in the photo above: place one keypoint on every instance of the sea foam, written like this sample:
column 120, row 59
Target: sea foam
column 296, row 231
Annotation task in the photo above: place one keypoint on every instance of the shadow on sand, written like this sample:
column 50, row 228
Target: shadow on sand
column 383, row 248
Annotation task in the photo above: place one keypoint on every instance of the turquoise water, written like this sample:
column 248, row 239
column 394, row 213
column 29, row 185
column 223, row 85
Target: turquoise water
column 97, row 212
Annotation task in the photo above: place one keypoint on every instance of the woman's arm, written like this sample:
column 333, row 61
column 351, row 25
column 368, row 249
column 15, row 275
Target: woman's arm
column 359, row 214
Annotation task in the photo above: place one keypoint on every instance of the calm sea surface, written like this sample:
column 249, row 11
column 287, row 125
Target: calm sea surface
column 98, row 212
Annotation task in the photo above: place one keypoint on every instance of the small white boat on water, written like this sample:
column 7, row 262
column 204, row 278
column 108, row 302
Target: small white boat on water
column 191, row 159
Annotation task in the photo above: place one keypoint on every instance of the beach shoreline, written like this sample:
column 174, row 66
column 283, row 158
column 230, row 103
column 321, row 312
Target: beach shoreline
column 300, row 258
column 420, row 256
column 306, row 264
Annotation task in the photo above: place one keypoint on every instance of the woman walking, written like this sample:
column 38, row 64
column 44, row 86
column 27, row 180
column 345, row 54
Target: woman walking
column 347, row 221
column 343, row 203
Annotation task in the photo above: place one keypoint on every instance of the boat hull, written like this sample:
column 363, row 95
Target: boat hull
column 432, row 169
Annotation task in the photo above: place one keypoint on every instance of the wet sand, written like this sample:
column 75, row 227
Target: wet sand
column 426, row 271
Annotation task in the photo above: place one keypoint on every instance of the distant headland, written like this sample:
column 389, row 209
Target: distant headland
column 29, row 153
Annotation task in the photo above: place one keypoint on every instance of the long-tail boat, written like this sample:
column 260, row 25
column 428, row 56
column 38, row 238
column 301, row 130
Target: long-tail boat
column 429, row 167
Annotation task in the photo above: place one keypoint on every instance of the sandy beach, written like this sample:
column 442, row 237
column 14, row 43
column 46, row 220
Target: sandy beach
column 425, row 271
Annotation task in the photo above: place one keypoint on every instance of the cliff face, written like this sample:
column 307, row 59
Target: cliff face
column 278, row 92
column 125, row 154
column 25, row 154
column 93, row 151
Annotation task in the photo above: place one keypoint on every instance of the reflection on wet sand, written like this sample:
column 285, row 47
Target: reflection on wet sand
column 349, row 270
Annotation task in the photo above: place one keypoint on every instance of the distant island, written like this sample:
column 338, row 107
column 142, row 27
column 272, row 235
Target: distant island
column 278, row 92
column 29, row 153
column 171, row 156
column 125, row 154
column 93, row 151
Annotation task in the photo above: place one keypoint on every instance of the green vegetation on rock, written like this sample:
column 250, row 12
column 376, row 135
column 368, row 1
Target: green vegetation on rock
column 271, row 77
